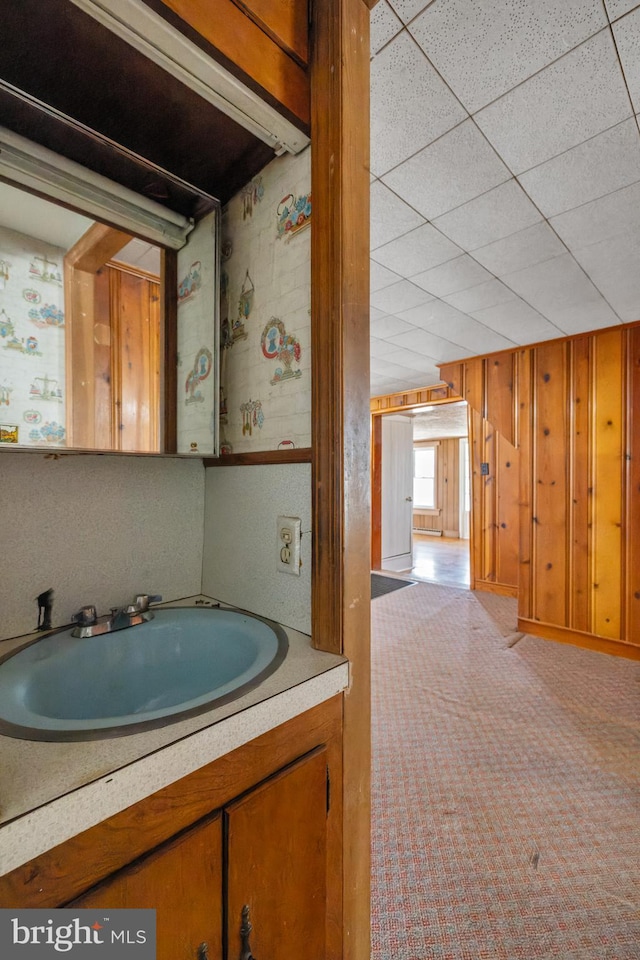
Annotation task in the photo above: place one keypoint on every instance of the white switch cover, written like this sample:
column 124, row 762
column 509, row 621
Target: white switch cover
column 288, row 545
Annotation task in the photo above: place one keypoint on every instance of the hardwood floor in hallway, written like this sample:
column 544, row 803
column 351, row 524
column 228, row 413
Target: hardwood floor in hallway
column 440, row 560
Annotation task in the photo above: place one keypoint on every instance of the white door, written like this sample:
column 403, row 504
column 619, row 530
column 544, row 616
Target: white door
column 397, row 493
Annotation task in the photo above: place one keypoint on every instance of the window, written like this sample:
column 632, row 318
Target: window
column 424, row 477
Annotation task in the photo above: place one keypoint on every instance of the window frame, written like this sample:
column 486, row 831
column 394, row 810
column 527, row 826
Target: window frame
column 418, row 447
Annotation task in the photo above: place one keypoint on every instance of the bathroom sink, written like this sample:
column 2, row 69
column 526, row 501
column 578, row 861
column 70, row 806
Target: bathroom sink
column 183, row 662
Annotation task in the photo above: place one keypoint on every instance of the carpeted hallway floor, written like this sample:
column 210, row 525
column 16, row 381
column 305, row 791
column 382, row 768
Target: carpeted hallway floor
column 506, row 787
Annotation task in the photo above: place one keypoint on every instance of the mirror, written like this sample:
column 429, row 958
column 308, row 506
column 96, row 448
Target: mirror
column 90, row 333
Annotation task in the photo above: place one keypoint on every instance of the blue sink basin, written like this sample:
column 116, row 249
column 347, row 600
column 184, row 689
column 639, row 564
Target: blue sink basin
column 183, row 662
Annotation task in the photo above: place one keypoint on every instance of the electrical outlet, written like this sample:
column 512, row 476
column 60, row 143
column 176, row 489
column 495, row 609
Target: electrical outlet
column 288, row 545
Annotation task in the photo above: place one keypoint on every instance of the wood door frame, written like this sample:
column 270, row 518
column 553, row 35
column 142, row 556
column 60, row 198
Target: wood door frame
column 395, row 403
column 341, row 591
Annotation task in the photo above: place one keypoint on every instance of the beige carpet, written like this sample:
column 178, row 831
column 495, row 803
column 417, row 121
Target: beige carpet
column 506, row 787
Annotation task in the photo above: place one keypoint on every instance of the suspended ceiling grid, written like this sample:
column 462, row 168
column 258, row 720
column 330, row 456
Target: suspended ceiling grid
column 505, row 177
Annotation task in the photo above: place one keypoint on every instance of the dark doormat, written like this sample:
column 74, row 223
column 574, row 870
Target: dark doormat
column 381, row 585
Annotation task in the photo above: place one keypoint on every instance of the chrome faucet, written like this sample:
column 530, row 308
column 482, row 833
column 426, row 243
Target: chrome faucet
column 90, row 625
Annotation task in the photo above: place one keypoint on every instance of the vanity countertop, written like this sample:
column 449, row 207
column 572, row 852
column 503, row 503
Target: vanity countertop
column 50, row 792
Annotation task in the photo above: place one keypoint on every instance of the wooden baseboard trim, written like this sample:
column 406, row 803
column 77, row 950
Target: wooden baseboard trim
column 590, row 641
column 501, row 589
column 259, row 458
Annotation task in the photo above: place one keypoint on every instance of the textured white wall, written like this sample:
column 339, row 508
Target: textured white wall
column 98, row 529
column 240, row 557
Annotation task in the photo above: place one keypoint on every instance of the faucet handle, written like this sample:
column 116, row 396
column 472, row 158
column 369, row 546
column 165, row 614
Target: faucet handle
column 142, row 601
column 86, row 616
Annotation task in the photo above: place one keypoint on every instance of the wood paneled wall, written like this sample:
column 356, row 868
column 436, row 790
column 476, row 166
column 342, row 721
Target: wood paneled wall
column 494, row 511
column 572, row 407
column 447, row 521
column 488, row 384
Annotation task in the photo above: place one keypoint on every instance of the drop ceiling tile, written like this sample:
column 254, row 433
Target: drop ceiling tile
column 381, row 386
column 386, row 386
column 561, row 292
column 416, row 251
column 627, row 34
column 407, row 358
column 522, row 249
column 378, row 348
column 598, row 166
column 384, row 24
column 469, row 334
column 429, row 377
column 484, row 49
column 449, row 172
column 387, row 369
column 375, row 314
column 617, row 8
column 436, row 348
column 569, row 101
column 449, row 277
column 390, row 216
column 388, row 326
column 609, row 216
column 484, row 295
column 399, row 296
column 407, row 9
column 614, row 266
column 380, row 277
column 435, row 311
column 517, row 321
column 496, row 214
column 402, row 82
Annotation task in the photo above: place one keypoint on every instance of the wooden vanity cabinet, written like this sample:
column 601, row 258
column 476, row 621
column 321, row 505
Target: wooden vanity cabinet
column 267, row 851
column 276, row 847
column 181, row 880
column 259, row 828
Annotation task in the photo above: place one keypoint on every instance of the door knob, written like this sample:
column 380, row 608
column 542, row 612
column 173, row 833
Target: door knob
column 409, row 499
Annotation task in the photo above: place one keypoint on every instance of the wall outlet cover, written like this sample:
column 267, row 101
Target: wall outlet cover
column 288, row 532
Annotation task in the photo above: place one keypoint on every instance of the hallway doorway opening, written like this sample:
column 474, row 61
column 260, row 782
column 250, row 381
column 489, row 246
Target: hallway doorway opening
column 421, row 493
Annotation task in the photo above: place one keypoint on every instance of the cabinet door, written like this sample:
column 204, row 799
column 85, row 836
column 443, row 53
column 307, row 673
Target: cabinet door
column 182, row 881
column 277, row 864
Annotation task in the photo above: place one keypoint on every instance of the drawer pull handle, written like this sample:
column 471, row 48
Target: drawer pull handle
column 203, row 951
column 245, row 930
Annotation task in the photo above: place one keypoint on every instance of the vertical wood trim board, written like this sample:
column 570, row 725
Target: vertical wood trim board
column 525, row 522
column 507, row 511
column 376, row 493
column 632, row 482
column 608, row 478
column 550, row 482
column 340, row 411
column 580, row 457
